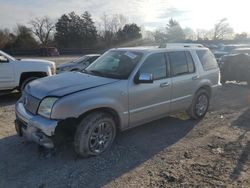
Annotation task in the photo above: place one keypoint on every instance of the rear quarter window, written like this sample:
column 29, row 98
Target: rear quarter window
column 207, row 59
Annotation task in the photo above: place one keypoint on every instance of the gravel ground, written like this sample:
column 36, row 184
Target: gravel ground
column 171, row 152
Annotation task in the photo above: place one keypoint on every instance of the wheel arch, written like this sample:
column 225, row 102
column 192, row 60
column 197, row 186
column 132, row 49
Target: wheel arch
column 67, row 127
column 207, row 88
column 26, row 75
column 107, row 110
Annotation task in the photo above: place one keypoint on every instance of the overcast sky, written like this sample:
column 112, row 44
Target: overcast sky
column 196, row 14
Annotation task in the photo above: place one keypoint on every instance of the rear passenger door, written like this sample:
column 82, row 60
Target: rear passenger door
column 184, row 79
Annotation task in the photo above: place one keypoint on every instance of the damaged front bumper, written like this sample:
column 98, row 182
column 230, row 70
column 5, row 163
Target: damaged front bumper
column 34, row 127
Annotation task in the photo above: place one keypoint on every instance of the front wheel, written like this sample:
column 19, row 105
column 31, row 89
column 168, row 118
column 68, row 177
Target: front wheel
column 200, row 105
column 94, row 134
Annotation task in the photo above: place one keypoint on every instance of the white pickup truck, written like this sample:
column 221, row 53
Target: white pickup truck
column 15, row 74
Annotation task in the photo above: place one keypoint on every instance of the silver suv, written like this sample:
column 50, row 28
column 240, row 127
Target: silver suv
column 124, row 88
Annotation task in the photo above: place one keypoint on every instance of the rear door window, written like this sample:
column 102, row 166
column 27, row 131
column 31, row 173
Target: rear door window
column 190, row 62
column 181, row 63
column 207, row 59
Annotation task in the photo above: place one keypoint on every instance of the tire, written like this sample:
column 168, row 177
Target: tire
column 95, row 134
column 200, row 105
column 25, row 82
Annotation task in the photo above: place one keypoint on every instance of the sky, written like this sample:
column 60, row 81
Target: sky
column 152, row 14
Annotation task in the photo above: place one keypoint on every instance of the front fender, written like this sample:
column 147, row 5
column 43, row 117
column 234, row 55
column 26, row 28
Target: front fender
column 75, row 105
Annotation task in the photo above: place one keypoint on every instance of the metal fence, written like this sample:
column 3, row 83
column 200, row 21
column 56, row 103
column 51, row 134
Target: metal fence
column 64, row 51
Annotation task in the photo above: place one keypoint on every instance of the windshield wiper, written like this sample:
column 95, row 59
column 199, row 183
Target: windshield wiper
column 102, row 74
column 85, row 71
column 96, row 72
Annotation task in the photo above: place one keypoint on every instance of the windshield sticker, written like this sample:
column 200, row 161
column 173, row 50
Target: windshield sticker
column 130, row 55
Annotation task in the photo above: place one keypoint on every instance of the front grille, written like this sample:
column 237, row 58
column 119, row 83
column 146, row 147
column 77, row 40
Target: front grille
column 31, row 103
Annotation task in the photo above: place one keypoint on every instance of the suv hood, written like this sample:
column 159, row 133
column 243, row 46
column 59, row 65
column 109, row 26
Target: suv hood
column 64, row 84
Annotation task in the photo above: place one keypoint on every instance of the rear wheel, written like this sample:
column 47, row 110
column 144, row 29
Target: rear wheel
column 26, row 81
column 200, row 105
column 94, row 134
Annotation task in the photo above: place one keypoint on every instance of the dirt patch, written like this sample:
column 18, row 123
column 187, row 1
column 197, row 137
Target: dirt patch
column 171, row 152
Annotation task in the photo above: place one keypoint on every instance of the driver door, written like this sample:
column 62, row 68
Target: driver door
column 7, row 77
column 150, row 101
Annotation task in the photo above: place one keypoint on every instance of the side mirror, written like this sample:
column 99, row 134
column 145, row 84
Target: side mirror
column 143, row 78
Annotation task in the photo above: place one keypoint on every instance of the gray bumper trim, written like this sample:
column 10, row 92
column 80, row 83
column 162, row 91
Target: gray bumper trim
column 33, row 134
column 46, row 126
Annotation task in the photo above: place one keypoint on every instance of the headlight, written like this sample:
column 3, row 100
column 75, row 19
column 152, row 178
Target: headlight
column 53, row 69
column 46, row 106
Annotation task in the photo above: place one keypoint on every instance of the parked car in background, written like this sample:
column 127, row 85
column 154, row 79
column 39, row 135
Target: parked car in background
column 78, row 64
column 241, row 51
column 228, row 49
column 219, row 54
column 124, row 88
column 235, row 67
column 49, row 51
column 16, row 74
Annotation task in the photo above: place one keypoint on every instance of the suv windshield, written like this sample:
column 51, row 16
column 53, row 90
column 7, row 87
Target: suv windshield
column 115, row 64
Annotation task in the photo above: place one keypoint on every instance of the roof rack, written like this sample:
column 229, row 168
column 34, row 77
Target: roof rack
column 183, row 45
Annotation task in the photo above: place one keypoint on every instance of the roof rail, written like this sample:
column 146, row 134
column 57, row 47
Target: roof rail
column 183, row 45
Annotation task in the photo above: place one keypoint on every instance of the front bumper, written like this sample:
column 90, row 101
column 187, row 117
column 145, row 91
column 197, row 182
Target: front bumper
column 34, row 127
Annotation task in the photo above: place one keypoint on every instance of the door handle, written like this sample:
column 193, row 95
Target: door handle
column 196, row 77
column 165, row 84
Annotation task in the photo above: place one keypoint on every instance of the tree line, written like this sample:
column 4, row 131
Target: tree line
column 221, row 31
column 80, row 31
column 71, row 31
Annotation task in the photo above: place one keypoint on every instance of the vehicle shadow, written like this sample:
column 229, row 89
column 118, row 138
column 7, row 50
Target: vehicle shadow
column 243, row 123
column 9, row 99
column 21, row 164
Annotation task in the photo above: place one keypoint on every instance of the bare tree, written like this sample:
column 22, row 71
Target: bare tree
column 42, row 28
column 189, row 34
column 222, row 30
column 202, row 34
column 110, row 25
column 4, row 38
column 118, row 21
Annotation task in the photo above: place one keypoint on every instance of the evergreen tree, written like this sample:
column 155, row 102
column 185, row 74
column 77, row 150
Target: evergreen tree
column 74, row 31
column 129, row 32
column 174, row 31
